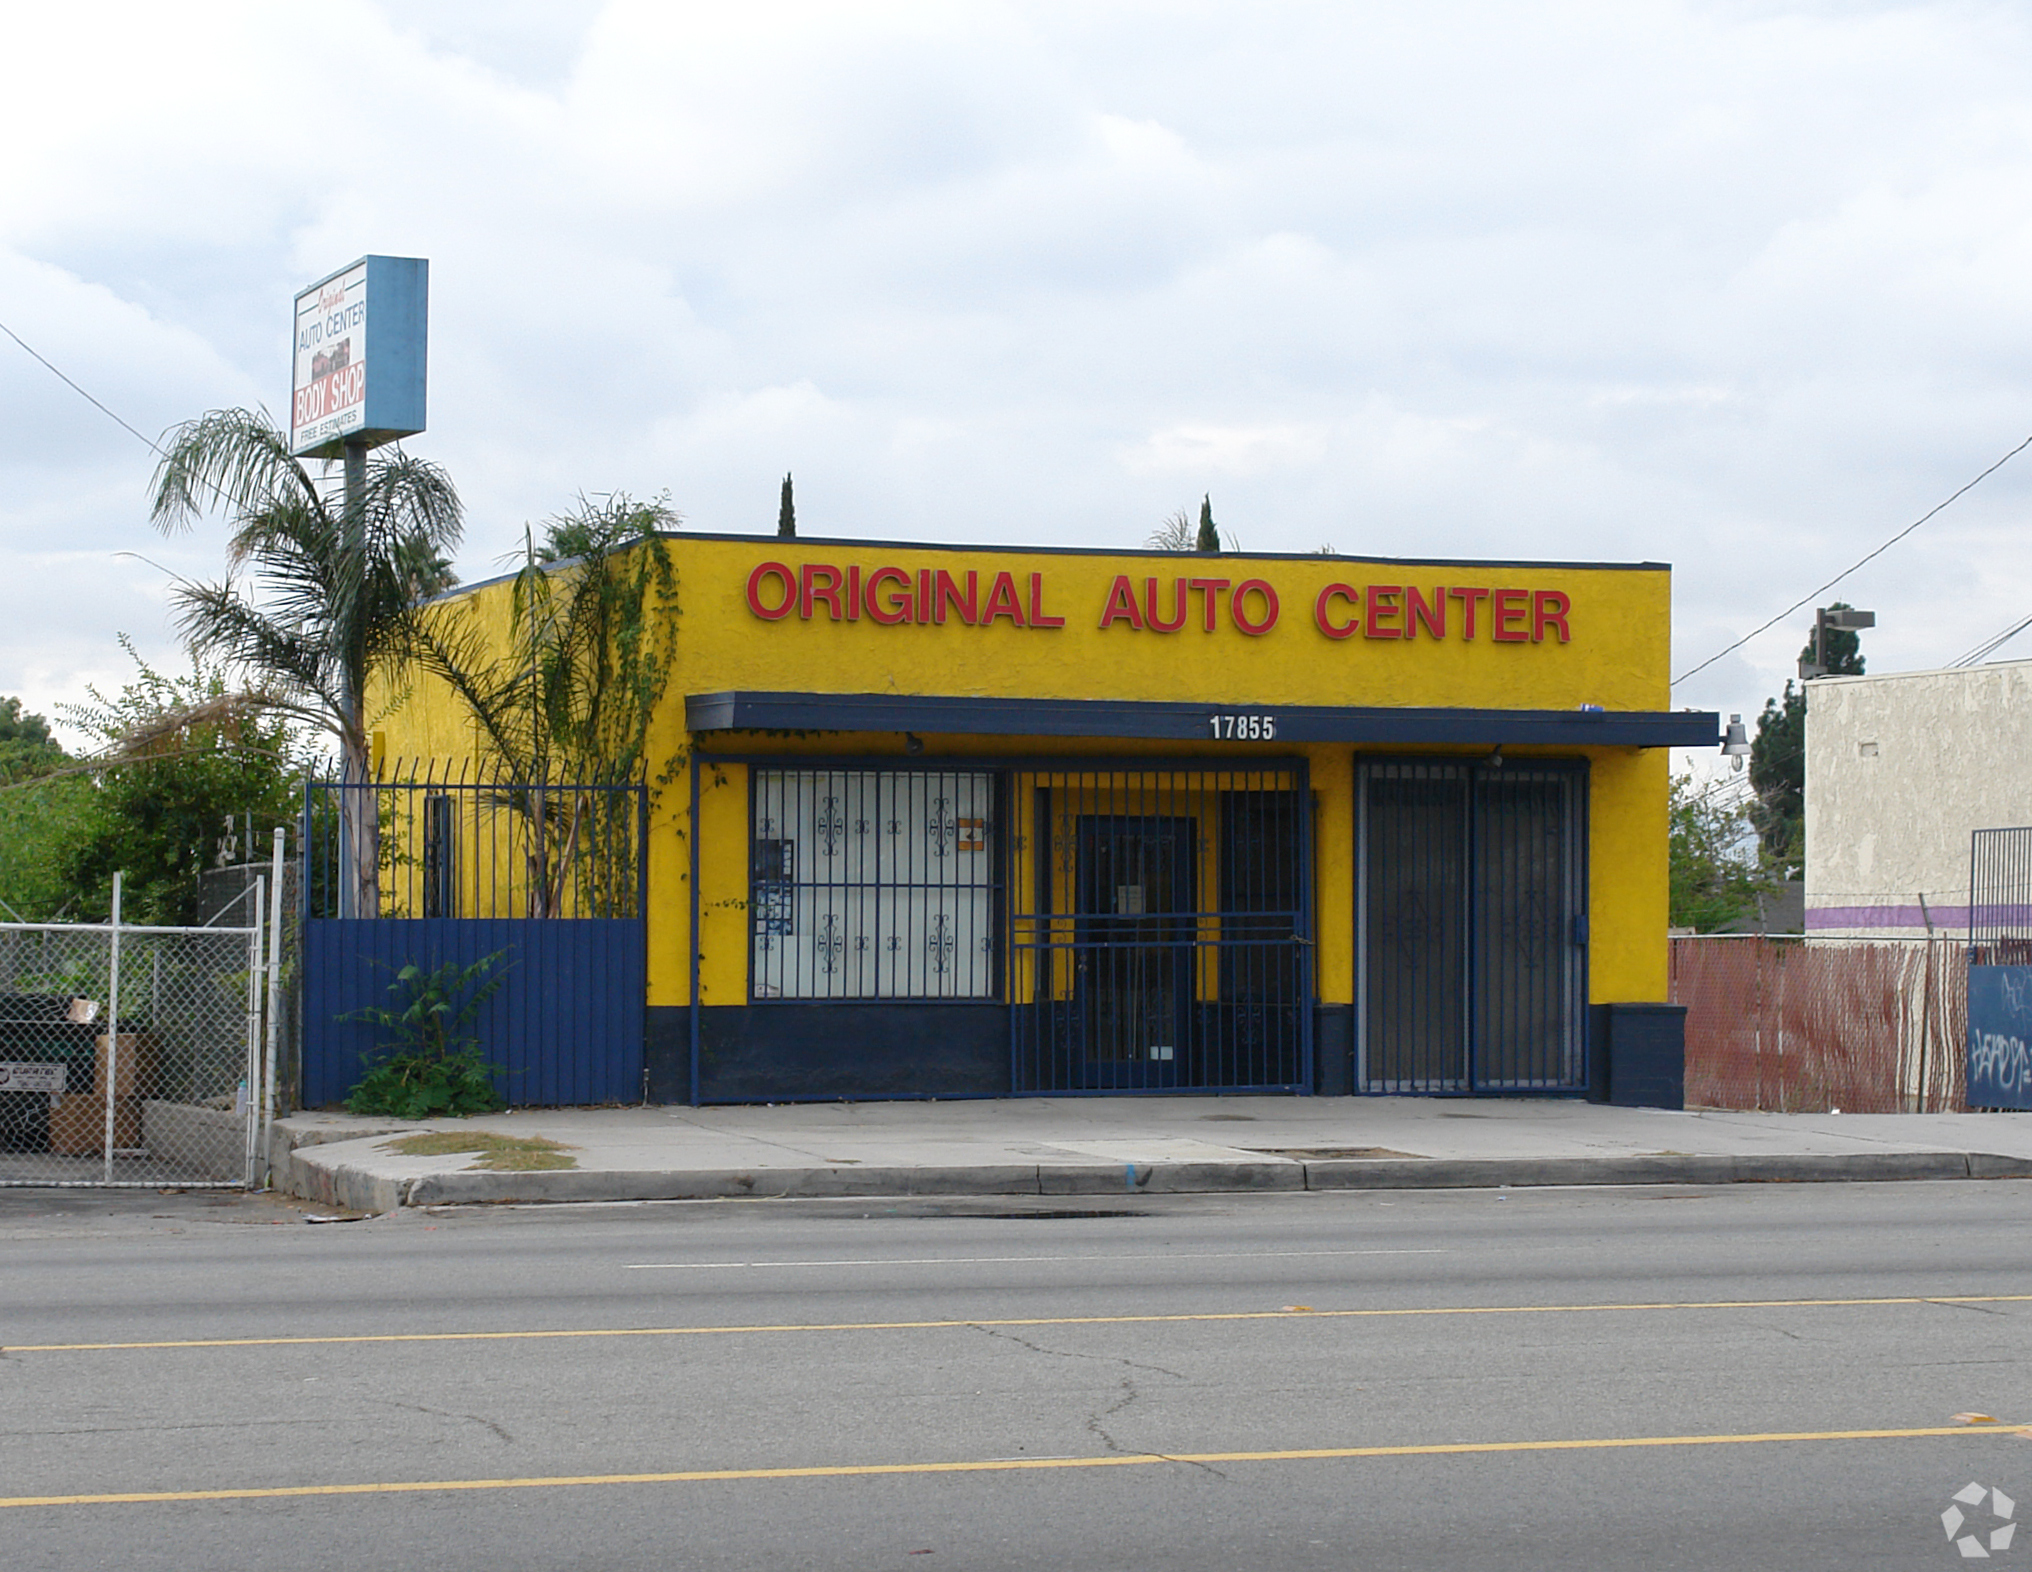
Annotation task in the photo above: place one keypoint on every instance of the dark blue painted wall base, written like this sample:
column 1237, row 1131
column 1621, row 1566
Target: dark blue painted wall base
column 666, row 1052
column 868, row 1052
column 1640, row 1054
column 781, row 1052
column 1333, row 1050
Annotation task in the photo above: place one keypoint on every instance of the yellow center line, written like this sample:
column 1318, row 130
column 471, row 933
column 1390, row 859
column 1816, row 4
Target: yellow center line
column 1049, row 1320
column 1000, row 1465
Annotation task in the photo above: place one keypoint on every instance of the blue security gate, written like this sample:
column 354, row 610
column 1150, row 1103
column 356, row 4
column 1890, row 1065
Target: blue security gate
column 549, row 881
column 1471, row 914
column 1095, row 925
column 1161, row 928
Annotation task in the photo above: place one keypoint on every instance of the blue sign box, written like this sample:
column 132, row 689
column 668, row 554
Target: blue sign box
column 359, row 354
column 2000, row 1037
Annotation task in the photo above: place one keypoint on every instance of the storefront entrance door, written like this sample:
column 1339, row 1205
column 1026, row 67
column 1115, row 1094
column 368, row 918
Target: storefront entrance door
column 1160, row 927
column 1133, row 907
column 1473, row 941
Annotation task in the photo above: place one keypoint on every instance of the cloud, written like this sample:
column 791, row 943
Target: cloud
column 1734, row 286
column 1226, row 450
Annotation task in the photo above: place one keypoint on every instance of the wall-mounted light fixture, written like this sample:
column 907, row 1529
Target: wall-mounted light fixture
column 1736, row 742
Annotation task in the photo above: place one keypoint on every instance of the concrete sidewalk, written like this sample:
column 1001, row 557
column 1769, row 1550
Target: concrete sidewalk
column 1128, row 1145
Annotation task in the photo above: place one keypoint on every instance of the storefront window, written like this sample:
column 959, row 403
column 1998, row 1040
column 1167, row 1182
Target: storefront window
column 873, row 884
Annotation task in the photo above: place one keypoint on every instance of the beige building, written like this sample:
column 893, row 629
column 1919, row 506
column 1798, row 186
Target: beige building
column 1899, row 770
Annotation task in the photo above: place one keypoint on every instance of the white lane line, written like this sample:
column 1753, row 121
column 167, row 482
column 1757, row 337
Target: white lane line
column 1010, row 1260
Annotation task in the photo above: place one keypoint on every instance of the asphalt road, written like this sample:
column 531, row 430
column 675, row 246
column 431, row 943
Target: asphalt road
column 1533, row 1379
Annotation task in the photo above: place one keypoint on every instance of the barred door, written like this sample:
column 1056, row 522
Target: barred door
column 1415, row 923
column 1134, row 902
column 1472, row 906
column 1160, row 929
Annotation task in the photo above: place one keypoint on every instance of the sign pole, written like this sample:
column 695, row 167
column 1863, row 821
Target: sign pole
column 353, row 801
column 358, row 380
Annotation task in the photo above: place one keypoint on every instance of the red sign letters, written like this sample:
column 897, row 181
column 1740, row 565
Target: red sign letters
column 891, row 595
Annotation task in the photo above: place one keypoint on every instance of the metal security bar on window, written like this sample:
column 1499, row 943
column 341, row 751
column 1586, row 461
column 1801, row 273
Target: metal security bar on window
column 2000, row 897
column 442, row 845
column 1162, row 933
column 874, row 884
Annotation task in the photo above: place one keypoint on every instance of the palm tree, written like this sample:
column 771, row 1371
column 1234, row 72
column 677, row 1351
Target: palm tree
column 335, row 592
column 1174, row 534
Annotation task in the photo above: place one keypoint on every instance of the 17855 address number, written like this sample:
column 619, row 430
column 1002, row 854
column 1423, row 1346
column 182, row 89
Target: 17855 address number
column 1243, row 728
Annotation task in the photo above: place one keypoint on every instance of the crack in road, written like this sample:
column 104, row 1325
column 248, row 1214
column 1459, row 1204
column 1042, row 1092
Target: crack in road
column 1095, row 1425
column 440, row 1413
column 160, row 1429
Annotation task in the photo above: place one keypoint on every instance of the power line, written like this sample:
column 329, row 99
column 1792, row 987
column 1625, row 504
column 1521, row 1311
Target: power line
column 1813, row 595
column 54, row 370
column 1995, row 642
column 101, row 408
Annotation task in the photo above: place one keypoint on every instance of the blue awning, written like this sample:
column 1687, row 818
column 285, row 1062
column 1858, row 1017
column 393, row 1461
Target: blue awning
column 1146, row 720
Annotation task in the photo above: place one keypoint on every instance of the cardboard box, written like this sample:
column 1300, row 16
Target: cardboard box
column 77, row 1124
column 135, row 1069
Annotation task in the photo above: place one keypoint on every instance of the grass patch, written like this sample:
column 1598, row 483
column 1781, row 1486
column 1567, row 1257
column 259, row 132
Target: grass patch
column 501, row 1153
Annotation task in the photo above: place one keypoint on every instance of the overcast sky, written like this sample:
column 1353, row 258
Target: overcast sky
column 1741, row 287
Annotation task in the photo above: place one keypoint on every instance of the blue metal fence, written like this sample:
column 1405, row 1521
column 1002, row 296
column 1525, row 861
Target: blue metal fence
column 550, row 880
column 565, row 1026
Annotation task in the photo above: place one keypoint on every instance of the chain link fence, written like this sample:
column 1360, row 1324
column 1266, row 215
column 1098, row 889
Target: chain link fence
column 229, row 895
column 130, row 1056
column 1809, row 1026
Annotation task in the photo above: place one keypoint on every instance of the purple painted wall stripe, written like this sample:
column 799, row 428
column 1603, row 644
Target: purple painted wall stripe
column 1944, row 917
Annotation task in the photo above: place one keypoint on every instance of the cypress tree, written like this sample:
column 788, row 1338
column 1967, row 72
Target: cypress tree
column 1209, row 537
column 786, row 513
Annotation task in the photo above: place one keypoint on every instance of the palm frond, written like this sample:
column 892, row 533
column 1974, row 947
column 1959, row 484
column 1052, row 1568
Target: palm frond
column 216, row 621
column 234, row 457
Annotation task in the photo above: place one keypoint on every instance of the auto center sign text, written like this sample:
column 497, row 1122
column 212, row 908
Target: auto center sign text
column 1175, row 603
column 329, row 390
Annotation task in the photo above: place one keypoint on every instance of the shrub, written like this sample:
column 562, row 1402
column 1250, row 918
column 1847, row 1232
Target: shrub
column 432, row 1065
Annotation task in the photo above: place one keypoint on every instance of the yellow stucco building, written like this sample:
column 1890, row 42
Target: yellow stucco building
column 949, row 821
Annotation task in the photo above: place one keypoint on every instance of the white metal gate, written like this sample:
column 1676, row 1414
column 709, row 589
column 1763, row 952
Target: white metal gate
column 135, row 1056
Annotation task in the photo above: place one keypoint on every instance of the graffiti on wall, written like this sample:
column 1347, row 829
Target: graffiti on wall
column 2000, row 1037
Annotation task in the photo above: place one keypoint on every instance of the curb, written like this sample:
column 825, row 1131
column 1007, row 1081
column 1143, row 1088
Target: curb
column 355, row 1187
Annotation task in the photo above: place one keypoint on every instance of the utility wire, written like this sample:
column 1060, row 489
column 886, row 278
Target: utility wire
column 1991, row 645
column 101, row 408
column 54, row 370
column 1969, row 659
column 1812, row 595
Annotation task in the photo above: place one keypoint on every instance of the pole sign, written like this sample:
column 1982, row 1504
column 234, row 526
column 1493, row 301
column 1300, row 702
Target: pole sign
column 358, row 352
column 2000, row 1037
